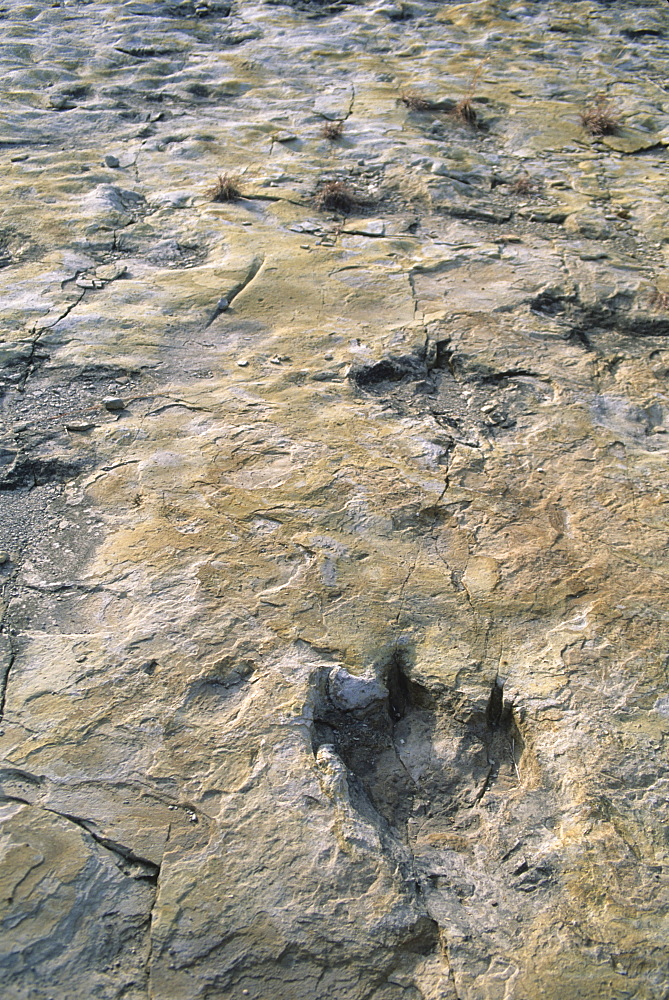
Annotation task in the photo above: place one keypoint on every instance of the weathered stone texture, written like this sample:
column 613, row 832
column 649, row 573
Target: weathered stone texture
column 333, row 543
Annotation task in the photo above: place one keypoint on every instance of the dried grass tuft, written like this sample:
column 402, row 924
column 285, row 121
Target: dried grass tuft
column 335, row 196
column 599, row 117
column 226, row 188
column 465, row 112
column 660, row 301
column 524, row 184
column 332, row 131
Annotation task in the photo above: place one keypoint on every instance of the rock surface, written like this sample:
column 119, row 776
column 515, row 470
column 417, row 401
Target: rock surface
column 333, row 659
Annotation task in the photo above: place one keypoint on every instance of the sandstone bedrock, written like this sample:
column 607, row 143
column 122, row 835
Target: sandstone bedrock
column 334, row 347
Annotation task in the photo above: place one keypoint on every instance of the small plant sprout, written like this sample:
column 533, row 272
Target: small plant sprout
column 332, row 131
column 335, row 196
column 599, row 117
column 226, row 188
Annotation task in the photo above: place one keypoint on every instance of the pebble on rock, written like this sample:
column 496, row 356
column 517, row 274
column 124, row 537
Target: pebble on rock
column 79, row 428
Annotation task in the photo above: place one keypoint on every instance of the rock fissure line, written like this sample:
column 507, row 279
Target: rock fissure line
column 4, row 682
column 29, row 361
column 151, row 869
column 9, row 589
column 55, row 588
column 150, row 920
column 403, row 586
column 414, row 296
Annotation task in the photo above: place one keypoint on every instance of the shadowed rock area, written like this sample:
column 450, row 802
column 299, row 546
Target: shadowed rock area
column 334, row 347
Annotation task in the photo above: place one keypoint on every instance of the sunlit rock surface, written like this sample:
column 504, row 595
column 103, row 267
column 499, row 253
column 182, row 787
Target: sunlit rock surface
column 333, row 520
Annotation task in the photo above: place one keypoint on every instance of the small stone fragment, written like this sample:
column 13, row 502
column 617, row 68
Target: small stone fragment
column 112, row 161
column 349, row 692
column 113, row 403
column 87, row 282
column 284, row 136
column 372, row 227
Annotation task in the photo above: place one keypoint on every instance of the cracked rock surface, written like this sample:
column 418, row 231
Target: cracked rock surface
column 333, row 511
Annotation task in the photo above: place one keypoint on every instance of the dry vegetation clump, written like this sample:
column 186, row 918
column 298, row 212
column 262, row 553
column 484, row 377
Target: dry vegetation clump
column 335, row 196
column 332, row 131
column 464, row 111
column 524, row 184
column 226, row 188
column 415, row 102
column 660, row 301
column 599, row 117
